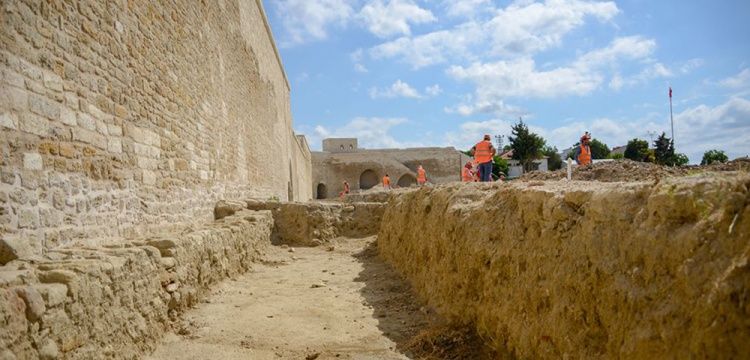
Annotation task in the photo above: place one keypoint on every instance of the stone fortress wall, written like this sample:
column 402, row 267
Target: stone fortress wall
column 121, row 118
column 341, row 159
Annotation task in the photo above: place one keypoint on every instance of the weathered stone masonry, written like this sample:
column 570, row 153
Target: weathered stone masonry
column 116, row 301
column 118, row 118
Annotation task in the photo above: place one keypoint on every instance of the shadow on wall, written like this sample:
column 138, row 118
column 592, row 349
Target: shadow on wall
column 368, row 179
column 406, row 180
column 322, row 191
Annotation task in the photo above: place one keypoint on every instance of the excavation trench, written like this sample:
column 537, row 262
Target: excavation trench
column 466, row 271
column 344, row 303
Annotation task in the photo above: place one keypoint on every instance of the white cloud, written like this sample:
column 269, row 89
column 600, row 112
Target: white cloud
column 520, row 77
column 521, row 29
column 357, row 57
column 308, row 20
column 697, row 129
column 496, row 107
column 431, row 48
column 737, row 81
column 385, row 19
column 433, row 90
column 724, row 127
column 466, row 8
column 691, row 65
column 526, row 27
column 471, row 132
column 360, row 68
column 653, row 71
column 397, row 89
column 371, row 132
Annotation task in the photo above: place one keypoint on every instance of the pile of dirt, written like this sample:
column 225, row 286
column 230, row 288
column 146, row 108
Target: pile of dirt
column 628, row 170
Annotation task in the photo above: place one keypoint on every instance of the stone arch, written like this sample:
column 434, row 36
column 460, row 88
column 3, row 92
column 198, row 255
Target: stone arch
column 368, row 179
column 322, row 191
column 406, row 180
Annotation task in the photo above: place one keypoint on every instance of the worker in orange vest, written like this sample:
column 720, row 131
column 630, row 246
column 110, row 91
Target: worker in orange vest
column 584, row 157
column 421, row 176
column 483, row 152
column 386, row 182
column 466, row 174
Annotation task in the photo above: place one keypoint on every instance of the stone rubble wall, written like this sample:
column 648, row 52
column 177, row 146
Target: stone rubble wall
column 117, row 301
column 313, row 223
column 118, row 117
column 582, row 269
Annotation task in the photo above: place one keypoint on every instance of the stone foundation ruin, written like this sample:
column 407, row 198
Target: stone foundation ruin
column 147, row 154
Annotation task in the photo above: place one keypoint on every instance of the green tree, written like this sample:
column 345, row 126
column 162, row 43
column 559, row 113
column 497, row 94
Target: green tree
column 637, row 150
column 499, row 165
column 714, row 156
column 554, row 161
column 664, row 153
column 663, row 150
column 599, row 150
column 679, row 159
column 616, row 156
column 527, row 146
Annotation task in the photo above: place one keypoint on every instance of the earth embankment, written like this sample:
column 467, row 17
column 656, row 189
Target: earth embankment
column 555, row 269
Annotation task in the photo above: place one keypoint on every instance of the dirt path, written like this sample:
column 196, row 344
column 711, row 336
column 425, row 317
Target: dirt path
column 307, row 304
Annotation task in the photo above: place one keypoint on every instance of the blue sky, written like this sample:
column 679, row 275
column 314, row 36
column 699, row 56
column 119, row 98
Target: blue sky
column 404, row 73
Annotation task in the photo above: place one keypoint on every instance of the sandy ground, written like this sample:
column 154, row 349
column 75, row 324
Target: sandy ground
column 340, row 302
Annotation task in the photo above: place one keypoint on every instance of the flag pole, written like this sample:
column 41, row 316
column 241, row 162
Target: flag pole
column 671, row 116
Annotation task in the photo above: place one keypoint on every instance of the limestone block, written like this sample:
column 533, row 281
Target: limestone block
column 11, row 78
column 34, row 124
column 28, row 218
column 53, row 81
column 12, row 248
column 44, row 107
column 51, row 217
column 90, row 137
column 32, row 161
column 48, row 350
column 149, row 177
column 101, row 127
column 151, row 138
column 67, row 150
column 14, row 98
column 9, row 277
column 35, row 307
column 8, row 120
column 226, row 208
column 86, row 121
column 53, row 294
column 68, row 116
column 114, row 130
column 114, row 145
column 58, row 276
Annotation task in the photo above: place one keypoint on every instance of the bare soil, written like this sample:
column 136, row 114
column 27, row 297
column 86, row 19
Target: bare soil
column 334, row 302
column 628, row 170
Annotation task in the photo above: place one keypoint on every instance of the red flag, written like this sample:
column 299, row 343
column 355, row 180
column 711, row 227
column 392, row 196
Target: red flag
column 670, row 92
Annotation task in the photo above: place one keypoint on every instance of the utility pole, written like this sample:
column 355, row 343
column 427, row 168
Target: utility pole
column 651, row 135
column 499, row 141
column 671, row 116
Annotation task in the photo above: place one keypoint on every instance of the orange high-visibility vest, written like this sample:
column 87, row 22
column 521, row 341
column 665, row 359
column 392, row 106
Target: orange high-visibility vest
column 421, row 176
column 483, row 152
column 466, row 175
column 585, row 157
column 386, row 181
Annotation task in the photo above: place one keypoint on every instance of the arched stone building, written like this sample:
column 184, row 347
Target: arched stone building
column 342, row 160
